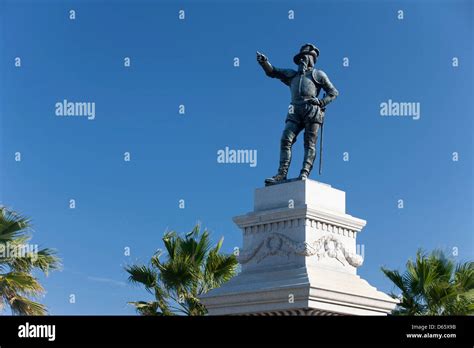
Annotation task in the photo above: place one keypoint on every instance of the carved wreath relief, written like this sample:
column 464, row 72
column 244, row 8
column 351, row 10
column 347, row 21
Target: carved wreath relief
column 279, row 244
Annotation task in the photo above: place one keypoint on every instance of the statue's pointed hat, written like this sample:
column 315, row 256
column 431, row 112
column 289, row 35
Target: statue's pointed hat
column 306, row 49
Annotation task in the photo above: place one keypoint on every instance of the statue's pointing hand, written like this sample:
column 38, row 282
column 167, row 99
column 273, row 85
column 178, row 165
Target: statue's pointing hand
column 261, row 58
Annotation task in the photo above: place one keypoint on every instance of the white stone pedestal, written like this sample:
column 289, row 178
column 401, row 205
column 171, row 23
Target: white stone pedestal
column 298, row 258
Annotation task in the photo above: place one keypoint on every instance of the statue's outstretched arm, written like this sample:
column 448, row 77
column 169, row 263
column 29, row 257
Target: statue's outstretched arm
column 284, row 75
column 264, row 63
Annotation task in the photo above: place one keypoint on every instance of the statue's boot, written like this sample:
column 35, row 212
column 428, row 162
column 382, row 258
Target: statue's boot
column 287, row 140
column 303, row 175
column 281, row 176
column 309, row 156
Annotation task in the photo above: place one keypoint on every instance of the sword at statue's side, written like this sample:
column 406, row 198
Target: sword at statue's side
column 321, row 141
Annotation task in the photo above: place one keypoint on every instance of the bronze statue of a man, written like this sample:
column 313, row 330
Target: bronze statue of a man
column 306, row 110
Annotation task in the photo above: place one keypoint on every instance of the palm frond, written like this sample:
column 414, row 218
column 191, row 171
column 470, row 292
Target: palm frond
column 464, row 276
column 23, row 306
column 147, row 308
column 192, row 267
column 12, row 224
column 171, row 242
column 434, row 285
column 20, row 282
column 219, row 269
column 141, row 274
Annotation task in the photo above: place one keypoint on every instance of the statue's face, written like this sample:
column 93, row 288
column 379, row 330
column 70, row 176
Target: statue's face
column 310, row 60
column 306, row 62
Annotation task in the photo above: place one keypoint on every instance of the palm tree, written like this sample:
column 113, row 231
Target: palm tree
column 434, row 285
column 17, row 262
column 192, row 268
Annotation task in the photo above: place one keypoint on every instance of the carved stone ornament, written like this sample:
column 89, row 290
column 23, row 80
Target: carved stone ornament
column 279, row 244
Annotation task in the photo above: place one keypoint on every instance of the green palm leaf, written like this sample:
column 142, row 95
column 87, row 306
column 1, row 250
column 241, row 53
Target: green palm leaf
column 17, row 261
column 434, row 285
column 142, row 274
column 191, row 268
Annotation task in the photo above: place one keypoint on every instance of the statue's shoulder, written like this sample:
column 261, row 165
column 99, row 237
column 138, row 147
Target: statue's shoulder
column 319, row 76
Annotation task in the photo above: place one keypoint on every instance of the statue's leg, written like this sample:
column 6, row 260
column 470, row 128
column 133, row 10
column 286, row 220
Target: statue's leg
column 310, row 139
column 288, row 138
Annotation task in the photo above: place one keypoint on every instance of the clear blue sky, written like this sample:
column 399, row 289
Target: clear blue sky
column 174, row 157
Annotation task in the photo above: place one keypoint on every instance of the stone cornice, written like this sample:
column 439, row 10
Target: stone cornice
column 309, row 215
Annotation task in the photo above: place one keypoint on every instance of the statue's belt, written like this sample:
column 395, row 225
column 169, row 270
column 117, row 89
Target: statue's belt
column 302, row 102
column 307, row 101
